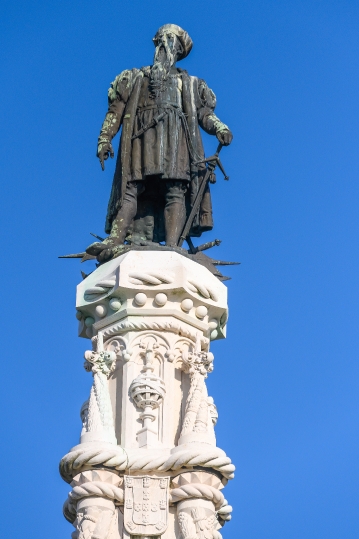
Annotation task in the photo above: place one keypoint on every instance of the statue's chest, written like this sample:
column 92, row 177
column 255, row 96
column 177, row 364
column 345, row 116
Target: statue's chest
column 171, row 92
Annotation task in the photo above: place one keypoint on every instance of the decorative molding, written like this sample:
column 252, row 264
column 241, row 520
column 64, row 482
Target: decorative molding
column 202, row 290
column 120, row 347
column 141, row 325
column 102, row 288
column 197, row 490
column 150, row 278
column 88, row 455
column 97, row 488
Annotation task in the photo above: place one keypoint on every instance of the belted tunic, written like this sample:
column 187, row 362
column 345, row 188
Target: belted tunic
column 162, row 148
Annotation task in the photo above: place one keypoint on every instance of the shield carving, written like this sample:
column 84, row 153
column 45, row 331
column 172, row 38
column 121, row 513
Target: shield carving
column 146, row 504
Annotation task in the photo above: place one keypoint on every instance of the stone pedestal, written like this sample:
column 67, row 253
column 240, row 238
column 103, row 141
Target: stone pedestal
column 147, row 463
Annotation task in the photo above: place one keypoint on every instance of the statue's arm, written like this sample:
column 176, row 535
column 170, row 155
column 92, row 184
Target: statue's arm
column 207, row 118
column 118, row 94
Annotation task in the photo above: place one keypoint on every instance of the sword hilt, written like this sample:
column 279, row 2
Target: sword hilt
column 214, row 161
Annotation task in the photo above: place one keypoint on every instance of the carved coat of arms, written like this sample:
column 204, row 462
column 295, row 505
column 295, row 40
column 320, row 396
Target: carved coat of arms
column 146, row 504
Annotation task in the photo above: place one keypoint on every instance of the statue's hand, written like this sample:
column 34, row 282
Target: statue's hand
column 225, row 137
column 104, row 150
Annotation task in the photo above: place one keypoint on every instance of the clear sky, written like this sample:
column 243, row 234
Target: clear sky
column 285, row 73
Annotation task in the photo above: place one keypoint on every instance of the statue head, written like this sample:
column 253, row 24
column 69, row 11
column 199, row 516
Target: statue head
column 173, row 42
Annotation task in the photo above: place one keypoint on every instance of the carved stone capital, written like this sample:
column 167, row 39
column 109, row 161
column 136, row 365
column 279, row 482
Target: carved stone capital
column 100, row 362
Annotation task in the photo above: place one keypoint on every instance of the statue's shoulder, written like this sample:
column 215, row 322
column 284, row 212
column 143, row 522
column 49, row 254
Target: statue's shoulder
column 206, row 96
column 146, row 70
column 122, row 85
column 185, row 74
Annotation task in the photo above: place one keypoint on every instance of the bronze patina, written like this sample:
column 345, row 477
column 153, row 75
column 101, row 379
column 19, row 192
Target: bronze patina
column 160, row 193
column 160, row 190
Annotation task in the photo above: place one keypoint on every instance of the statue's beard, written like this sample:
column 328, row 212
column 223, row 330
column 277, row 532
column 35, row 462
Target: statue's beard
column 162, row 63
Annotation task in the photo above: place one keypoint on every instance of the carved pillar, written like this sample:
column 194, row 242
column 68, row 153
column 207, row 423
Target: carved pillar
column 149, row 422
column 198, row 499
column 91, row 505
column 98, row 423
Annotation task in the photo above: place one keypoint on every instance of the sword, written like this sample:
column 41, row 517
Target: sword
column 212, row 163
column 152, row 123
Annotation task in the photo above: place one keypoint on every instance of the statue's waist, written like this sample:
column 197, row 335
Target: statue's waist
column 160, row 111
column 159, row 106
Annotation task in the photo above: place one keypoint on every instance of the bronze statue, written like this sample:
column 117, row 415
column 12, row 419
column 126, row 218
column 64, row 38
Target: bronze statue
column 160, row 164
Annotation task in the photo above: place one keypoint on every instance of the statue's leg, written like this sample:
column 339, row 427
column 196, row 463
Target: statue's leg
column 175, row 210
column 125, row 214
column 122, row 221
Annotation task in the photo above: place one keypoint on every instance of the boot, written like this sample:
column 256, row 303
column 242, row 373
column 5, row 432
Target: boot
column 120, row 224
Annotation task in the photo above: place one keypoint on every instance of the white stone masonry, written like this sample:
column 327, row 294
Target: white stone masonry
column 147, row 464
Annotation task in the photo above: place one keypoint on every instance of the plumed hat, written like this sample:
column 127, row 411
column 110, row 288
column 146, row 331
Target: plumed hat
column 182, row 35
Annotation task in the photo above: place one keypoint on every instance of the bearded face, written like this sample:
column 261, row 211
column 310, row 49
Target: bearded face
column 167, row 49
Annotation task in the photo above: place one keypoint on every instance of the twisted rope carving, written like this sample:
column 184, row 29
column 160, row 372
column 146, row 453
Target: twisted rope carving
column 92, row 488
column 115, row 457
column 106, row 490
column 198, row 490
column 153, row 278
column 224, row 513
column 85, row 455
column 213, row 458
column 96, row 488
column 202, row 290
column 69, row 511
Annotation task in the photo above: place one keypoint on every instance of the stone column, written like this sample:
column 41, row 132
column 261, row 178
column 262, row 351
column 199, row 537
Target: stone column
column 149, row 422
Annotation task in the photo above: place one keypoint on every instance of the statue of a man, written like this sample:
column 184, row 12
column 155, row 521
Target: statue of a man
column 160, row 108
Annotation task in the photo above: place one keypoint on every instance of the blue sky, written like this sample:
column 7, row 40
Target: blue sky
column 286, row 379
